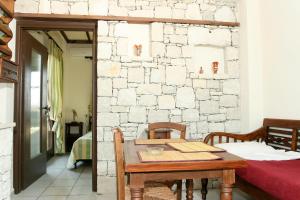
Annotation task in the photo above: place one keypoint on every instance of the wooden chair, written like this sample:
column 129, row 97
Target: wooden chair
column 165, row 126
column 165, row 133
column 152, row 191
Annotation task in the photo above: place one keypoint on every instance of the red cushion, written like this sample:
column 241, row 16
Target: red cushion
column 281, row 179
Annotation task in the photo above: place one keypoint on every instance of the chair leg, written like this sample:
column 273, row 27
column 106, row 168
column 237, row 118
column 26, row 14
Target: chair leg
column 179, row 189
column 204, row 182
column 189, row 189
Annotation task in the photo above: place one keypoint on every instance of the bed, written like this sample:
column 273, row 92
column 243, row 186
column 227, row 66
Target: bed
column 81, row 150
column 275, row 177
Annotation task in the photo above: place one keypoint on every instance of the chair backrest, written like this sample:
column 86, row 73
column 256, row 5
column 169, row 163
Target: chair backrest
column 120, row 168
column 166, row 125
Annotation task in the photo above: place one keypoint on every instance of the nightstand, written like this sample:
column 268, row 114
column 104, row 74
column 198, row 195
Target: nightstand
column 74, row 130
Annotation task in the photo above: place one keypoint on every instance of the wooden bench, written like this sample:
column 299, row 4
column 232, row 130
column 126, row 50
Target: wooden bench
column 278, row 133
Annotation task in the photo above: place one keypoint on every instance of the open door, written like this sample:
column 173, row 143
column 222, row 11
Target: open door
column 34, row 58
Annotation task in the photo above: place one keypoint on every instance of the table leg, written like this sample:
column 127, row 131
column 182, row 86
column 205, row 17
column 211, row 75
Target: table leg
column 137, row 193
column 136, row 186
column 204, row 182
column 189, row 189
column 228, row 180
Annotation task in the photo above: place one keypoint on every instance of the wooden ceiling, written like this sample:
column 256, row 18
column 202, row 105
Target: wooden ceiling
column 77, row 37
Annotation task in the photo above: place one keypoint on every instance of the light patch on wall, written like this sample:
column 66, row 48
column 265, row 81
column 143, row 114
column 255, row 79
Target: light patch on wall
column 139, row 34
column 204, row 56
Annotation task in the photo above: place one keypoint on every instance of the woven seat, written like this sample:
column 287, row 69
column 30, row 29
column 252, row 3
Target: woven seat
column 152, row 191
column 157, row 192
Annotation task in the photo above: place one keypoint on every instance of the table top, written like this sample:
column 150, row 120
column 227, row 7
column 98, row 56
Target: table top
column 133, row 163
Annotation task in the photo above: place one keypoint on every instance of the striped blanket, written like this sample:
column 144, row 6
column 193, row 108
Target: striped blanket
column 81, row 150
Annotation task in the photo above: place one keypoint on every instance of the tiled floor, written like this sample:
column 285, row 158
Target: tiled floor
column 63, row 184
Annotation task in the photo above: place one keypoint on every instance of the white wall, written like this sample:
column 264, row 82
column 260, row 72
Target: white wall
column 270, row 64
column 281, row 58
column 77, row 81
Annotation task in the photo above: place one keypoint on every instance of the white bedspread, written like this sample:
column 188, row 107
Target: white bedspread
column 258, row 151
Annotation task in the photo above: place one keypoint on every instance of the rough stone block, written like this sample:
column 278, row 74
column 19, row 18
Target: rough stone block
column 105, row 50
column 158, row 49
column 228, row 101
column 158, row 75
column 166, row 102
column 137, row 114
column 141, row 13
column 98, row 7
column 220, row 37
column 121, row 30
column 45, row 7
column 108, row 69
column 193, row 11
column 202, row 94
column 217, row 118
column 136, row 75
column 147, row 100
column 231, row 53
column 108, row 119
column 199, row 83
column 102, row 28
column 175, row 75
column 178, row 14
column 79, row 8
column 104, row 104
column 233, row 113
column 117, row 11
column 173, row 51
column 213, row 84
column 216, row 127
column 190, row 115
column 185, row 97
column 119, row 83
column 231, row 86
column 202, row 127
column 178, row 39
column 187, row 51
column 122, row 47
column 162, row 12
column 154, row 89
column 30, row 6
column 157, row 32
column 225, row 14
column 158, row 116
column 209, row 107
column 168, row 89
column 127, row 97
column 198, row 35
column 104, row 87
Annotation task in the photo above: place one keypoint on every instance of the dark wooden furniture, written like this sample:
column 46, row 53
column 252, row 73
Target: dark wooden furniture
column 161, row 171
column 8, row 69
column 162, row 130
column 278, row 133
column 74, row 130
column 158, row 192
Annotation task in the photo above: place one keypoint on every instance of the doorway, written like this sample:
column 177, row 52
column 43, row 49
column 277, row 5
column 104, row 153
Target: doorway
column 28, row 148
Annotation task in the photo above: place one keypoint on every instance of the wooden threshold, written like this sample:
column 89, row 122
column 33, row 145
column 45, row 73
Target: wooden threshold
column 123, row 18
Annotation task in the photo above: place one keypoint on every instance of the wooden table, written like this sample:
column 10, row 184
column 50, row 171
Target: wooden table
column 162, row 171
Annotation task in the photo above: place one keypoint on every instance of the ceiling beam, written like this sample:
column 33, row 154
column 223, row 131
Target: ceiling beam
column 88, row 37
column 64, row 36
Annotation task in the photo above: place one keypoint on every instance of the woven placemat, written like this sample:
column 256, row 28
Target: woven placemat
column 189, row 147
column 157, row 141
column 176, row 156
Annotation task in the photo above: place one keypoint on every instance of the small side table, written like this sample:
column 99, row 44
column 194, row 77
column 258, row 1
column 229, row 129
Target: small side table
column 74, row 130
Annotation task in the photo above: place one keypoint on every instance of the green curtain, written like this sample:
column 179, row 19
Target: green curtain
column 55, row 94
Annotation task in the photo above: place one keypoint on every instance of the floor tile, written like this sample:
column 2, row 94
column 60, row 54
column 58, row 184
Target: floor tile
column 83, row 182
column 82, row 190
column 85, row 197
column 53, row 198
column 64, row 183
column 57, row 191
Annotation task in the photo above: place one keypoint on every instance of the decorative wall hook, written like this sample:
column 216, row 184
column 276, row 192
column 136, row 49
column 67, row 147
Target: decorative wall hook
column 215, row 67
column 201, row 70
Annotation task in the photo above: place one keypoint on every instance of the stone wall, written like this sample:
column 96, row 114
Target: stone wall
column 133, row 92
column 165, row 86
column 221, row 10
column 6, row 163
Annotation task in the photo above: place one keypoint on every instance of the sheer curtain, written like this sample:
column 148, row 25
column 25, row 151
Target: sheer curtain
column 55, row 94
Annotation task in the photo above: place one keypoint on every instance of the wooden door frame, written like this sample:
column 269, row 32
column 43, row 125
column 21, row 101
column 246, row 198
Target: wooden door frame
column 18, row 144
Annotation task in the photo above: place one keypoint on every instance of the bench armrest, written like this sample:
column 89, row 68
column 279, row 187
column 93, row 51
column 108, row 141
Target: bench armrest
column 258, row 135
